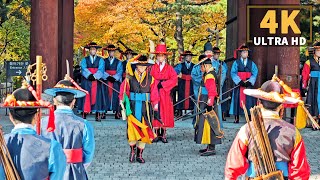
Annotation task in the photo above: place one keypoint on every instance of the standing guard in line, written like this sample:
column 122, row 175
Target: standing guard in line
column 311, row 74
column 129, row 54
column 92, row 69
column 113, row 76
column 185, row 86
column 244, row 73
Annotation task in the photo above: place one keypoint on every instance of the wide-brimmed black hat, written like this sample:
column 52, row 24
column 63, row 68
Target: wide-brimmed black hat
column 92, row 44
column 130, row 51
column 216, row 50
column 188, row 53
column 111, row 47
column 65, row 86
column 316, row 45
column 142, row 60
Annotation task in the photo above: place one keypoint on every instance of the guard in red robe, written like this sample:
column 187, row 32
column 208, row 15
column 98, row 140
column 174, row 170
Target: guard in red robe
column 166, row 78
column 311, row 76
column 285, row 139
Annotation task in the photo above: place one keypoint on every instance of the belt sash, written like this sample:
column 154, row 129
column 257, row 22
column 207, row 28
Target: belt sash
column 139, row 98
column 110, row 72
column 73, row 155
column 91, row 98
column 282, row 166
column 188, row 79
column 316, row 74
column 243, row 76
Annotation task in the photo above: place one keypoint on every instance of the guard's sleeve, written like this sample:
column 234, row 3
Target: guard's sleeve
column 100, row 72
column 298, row 165
column 2, row 173
column 234, row 73
column 254, row 74
column 88, row 143
column 237, row 163
column 57, row 161
column 122, row 90
column 172, row 81
column 196, row 75
column 118, row 75
column 177, row 68
column 84, row 70
column 210, row 84
column 305, row 73
column 224, row 73
column 154, row 94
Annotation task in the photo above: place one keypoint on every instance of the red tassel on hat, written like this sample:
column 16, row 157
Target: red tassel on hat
column 121, row 56
column 235, row 53
column 180, row 58
column 102, row 51
column 84, row 51
column 51, row 126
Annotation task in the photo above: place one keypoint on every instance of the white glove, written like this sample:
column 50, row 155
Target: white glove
column 155, row 107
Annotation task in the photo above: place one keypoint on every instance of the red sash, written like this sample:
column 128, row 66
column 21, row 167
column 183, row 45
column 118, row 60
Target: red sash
column 188, row 79
column 111, row 72
column 91, row 98
column 73, row 155
column 243, row 76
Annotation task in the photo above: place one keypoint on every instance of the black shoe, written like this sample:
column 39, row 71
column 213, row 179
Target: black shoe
column 84, row 115
column 132, row 155
column 103, row 115
column 210, row 151
column 203, row 150
column 98, row 117
column 117, row 115
column 139, row 155
column 224, row 117
column 236, row 119
column 155, row 140
column 164, row 140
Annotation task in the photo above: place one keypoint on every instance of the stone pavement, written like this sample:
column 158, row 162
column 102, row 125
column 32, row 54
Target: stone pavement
column 179, row 159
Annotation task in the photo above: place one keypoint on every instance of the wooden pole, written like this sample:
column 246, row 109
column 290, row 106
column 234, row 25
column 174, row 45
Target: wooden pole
column 39, row 88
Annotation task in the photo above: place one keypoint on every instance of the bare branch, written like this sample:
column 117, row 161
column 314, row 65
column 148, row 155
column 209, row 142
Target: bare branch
column 202, row 3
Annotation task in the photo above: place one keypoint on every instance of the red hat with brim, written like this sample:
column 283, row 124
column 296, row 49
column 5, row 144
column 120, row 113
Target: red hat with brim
column 161, row 49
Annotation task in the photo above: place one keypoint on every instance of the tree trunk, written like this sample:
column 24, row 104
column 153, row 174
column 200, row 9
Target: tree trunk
column 178, row 34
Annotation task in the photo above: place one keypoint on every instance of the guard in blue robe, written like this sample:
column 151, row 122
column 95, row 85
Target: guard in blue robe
column 244, row 73
column 34, row 157
column 75, row 134
column 92, row 70
column 113, row 76
column 185, row 86
column 129, row 54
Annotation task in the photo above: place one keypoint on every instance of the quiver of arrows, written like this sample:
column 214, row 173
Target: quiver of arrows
column 262, row 153
column 10, row 170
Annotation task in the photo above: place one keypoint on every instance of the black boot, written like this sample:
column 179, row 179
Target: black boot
column 84, row 115
column 117, row 115
column 157, row 138
column 224, row 117
column 203, row 150
column 132, row 153
column 236, row 119
column 103, row 115
column 139, row 155
column 210, row 151
column 163, row 135
column 98, row 117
